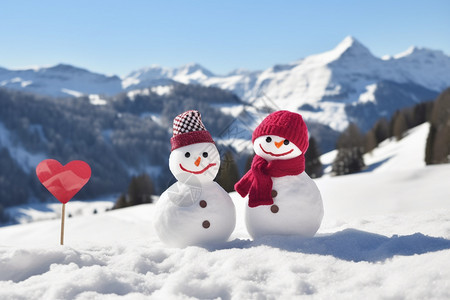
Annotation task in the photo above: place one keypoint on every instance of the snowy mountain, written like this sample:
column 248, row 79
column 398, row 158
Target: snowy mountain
column 60, row 81
column 347, row 83
column 385, row 234
column 157, row 75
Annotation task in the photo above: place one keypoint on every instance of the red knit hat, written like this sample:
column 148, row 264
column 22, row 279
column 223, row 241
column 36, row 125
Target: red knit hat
column 285, row 124
column 188, row 129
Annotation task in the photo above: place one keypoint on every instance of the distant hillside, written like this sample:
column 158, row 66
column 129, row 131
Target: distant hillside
column 121, row 138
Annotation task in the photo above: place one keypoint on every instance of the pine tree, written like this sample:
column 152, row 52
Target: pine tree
column 348, row 161
column 420, row 114
column 133, row 192
column 248, row 163
column 381, row 130
column 438, row 142
column 370, row 141
column 313, row 166
column 140, row 190
column 228, row 173
column 391, row 123
column 121, row 202
column 350, row 146
column 146, row 188
column 399, row 126
column 3, row 216
column 441, row 153
column 351, row 137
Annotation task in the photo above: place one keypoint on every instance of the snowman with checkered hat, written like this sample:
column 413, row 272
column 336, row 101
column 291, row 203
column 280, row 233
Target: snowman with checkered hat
column 195, row 210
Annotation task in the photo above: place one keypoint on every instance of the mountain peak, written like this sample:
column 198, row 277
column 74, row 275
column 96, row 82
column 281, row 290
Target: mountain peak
column 348, row 41
column 351, row 44
column 65, row 68
column 194, row 67
column 415, row 51
column 348, row 50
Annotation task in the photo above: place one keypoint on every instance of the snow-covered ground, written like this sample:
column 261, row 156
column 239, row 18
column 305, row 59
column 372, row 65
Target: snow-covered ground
column 385, row 234
column 28, row 213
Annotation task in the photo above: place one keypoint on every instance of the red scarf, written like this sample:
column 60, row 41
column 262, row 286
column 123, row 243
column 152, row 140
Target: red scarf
column 257, row 183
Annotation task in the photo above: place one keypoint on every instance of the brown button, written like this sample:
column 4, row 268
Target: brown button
column 206, row 224
column 274, row 209
column 274, row 193
column 203, row 204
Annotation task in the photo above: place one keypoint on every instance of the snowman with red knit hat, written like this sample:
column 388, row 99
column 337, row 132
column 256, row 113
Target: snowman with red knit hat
column 282, row 198
column 195, row 210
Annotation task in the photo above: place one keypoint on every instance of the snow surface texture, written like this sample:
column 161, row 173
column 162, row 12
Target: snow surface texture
column 385, row 234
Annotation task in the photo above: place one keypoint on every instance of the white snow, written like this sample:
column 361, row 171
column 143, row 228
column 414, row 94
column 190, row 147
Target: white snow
column 72, row 93
column 132, row 94
column 34, row 212
column 96, row 100
column 369, row 95
column 385, row 234
column 405, row 53
column 162, row 90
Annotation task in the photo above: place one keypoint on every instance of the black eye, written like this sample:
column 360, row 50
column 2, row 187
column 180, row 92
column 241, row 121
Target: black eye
column 205, row 154
column 286, row 142
column 268, row 139
column 187, row 154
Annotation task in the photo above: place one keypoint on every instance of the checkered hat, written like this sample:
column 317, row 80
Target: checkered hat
column 188, row 129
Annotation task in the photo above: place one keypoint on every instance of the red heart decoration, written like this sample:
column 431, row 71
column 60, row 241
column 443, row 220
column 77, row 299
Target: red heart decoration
column 63, row 181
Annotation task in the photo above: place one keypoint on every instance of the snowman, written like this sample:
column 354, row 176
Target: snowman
column 195, row 210
column 282, row 198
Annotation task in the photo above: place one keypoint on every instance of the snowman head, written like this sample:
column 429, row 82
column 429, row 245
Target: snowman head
column 281, row 135
column 196, row 163
column 271, row 147
column 194, row 158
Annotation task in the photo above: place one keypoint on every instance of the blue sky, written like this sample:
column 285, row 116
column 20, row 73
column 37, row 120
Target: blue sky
column 116, row 37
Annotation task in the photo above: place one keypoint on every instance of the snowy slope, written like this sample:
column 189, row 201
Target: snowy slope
column 392, row 155
column 385, row 234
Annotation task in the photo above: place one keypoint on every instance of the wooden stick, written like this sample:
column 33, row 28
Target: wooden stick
column 62, row 222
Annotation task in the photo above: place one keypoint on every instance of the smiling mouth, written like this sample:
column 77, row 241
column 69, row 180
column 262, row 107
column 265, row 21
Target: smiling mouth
column 197, row 172
column 273, row 154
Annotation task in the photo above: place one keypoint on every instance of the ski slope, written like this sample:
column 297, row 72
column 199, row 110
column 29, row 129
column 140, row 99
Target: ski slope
column 385, row 234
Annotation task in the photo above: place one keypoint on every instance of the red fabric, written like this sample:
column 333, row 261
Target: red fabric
column 189, row 138
column 285, row 124
column 257, row 183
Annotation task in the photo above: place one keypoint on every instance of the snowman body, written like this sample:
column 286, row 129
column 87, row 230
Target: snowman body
column 210, row 219
column 297, row 209
column 195, row 210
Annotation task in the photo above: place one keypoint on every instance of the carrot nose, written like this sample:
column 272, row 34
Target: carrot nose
column 197, row 161
column 278, row 144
